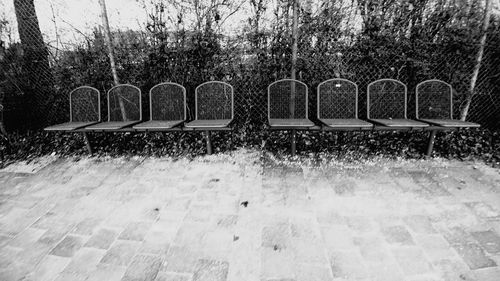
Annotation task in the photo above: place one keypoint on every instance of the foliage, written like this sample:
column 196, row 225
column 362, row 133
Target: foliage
column 469, row 144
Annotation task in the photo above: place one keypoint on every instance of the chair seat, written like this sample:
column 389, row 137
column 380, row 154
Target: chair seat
column 219, row 123
column 403, row 123
column 303, row 123
column 346, row 123
column 451, row 123
column 70, row 126
column 158, row 124
column 113, row 125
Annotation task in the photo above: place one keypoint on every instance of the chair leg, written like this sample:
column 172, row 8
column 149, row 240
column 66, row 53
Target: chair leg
column 87, row 142
column 209, row 142
column 294, row 142
column 430, row 145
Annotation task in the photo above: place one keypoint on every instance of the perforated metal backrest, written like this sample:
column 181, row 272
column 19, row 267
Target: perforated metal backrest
column 167, row 102
column 124, row 100
column 214, row 101
column 85, row 105
column 386, row 99
column 287, row 99
column 434, row 100
column 337, row 99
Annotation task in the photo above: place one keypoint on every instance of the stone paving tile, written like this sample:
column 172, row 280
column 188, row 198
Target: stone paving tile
column 33, row 254
column 66, row 276
column 180, row 260
column 86, row 226
column 143, row 267
column 487, row 274
column 102, row 239
column 474, row 255
column 454, row 269
column 27, row 237
column 277, row 235
column 84, row 261
column 170, row 276
column 277, row 264
column 397, row 235
column 210, row 270
column 360, row 224
column 348, row 265
column 68, row 246
column 121, row 253
column 107, row 272
column 489, row 240
column 227, row 221
column 419, row 224
column 386, row 271
column 52, row 237
column 217, row 244
column 434, row 246
column 373, row 248
column 135, row 231
column 311, row 252
column 4, row 240
column 307, row 272
column 49, row 268
column 14, row 272
column 190, row 234
column 411, row 260
column 337, row 238
column 484, row 210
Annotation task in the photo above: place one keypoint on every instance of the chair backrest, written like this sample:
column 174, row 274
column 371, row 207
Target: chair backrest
column 386, row 99
column 214, row 101
column 167, row 102
column 337, row 99
column 85, row 105
column 287, row 99
column 124, row 103
column 434, row 100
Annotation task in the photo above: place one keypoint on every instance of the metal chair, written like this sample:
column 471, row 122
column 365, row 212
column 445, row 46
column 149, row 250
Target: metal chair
column 167, row 103
column 124, row 108
column 434, row 105
column 214, row 109
column 338, row 105
column 214, row 105
column 386, row 105
column 287, row 105
column 84, row 109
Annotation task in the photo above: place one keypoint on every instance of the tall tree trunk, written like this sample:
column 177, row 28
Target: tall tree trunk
column 36, row 69
column 479, row 59
column 294, row 56
column 111, row 55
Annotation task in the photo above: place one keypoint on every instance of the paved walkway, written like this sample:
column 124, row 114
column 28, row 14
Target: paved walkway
column 242, row 218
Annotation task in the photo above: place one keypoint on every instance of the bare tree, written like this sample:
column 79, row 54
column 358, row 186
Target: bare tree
column 35, row 61
column 479, row 59
column 107, row 37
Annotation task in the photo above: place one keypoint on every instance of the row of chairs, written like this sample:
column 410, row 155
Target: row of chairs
column 337, row 105
column 337, row 108
column 167, row 101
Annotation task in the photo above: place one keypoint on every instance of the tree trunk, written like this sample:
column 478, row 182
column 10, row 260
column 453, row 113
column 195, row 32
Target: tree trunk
column 294, row 57
column 36, row 70
column 479, row 58
column 111, row 55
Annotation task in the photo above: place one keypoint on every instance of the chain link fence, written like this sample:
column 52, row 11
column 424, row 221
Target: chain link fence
column 37, row 83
